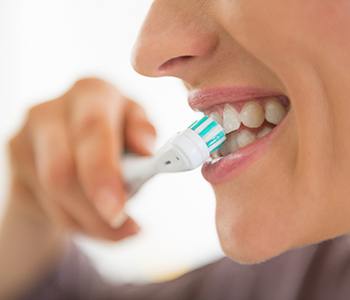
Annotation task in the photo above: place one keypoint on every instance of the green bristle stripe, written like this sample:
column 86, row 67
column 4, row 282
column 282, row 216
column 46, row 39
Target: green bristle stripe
column 216, row 139
column 208, row 128
column 198, row 123
column 192, row 124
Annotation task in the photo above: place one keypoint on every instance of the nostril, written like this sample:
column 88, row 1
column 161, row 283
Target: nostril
column 175, row 62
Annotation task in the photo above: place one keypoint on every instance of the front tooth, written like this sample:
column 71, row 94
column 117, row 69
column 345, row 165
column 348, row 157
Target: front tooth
column 230, row 145
column 252, row 114
column 231, row 118
column 274, row 111
column 216, row 117
column 245, row 137
column 263, row 132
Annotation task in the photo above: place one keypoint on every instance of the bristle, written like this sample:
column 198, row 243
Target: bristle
column 198, row 123
column 216, row 142
column 211, row 132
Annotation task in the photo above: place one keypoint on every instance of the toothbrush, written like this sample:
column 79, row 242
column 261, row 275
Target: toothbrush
column 185, row 151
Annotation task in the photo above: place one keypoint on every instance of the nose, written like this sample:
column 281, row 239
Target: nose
column 174, row 38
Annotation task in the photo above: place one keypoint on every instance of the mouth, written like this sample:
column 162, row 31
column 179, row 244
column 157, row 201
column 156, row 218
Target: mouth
column 251, row 118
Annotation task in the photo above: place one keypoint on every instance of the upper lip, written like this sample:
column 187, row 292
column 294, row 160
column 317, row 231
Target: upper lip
column 206, row 98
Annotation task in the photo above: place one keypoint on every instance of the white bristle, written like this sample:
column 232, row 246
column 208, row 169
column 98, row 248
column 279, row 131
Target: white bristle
column 207, row 128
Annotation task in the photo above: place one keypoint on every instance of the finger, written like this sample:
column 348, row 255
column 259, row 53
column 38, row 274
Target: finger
column 52, row 160
column 95, row 120
column 91, row 224
column 140, row 134
column 21, row 158
column 23, row 161
column 56, row 214
column 64, row 199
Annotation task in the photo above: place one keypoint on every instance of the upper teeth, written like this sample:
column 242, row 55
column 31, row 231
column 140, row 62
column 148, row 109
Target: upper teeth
column 274, row 111
column 252, row 114
column 231, row 118
column 216, row 117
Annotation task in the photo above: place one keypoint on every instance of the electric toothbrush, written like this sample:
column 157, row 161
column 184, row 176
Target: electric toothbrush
column 185, row 151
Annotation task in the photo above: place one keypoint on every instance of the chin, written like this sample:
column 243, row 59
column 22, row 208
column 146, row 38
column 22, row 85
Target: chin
column 248, row 238
column 249, row 249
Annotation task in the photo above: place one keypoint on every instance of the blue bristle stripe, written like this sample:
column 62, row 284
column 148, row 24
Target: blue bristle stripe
column 204, row 128
column 208, row 128
column 192, row 124
column 199, row 123
column 218, row 144
column 216, row 139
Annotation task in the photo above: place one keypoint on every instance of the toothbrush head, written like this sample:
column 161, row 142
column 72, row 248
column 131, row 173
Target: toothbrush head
column 211, row 132
column 191, row 148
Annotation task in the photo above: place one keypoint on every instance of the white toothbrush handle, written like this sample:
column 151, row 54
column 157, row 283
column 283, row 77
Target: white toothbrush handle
column 136, row 171
column 186, row 151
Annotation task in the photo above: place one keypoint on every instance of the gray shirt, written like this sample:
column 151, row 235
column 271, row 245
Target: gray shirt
column 319, row 272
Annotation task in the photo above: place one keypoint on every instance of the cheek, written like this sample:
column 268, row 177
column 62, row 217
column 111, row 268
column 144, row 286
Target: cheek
column 273, row 206
column 264, row 214
column 261, row 213
column 277, row 32
column 257, row 210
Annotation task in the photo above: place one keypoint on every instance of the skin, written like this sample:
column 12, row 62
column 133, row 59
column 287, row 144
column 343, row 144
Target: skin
column 55, row 189
column 295, row 194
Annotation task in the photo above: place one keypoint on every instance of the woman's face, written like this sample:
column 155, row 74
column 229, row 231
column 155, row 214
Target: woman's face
column 291, row 187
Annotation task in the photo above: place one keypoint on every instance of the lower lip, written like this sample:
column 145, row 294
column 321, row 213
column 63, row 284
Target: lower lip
column 232, row 165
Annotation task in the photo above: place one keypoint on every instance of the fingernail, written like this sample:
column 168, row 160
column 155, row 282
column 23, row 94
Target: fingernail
column 107, row 205
column 119, row 220
column 148, row 142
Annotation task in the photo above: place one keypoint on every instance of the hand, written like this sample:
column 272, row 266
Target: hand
column 67, row 155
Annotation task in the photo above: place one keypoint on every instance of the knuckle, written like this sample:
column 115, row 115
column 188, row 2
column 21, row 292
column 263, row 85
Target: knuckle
column 58, row 173
column 89, row 81
column 12, row 144
column 40, row 113
column 16, row 147
column 88, row 124
column 107, row 172
column 95, row 85
column 98, row 173
column 37, row 110
column 33, row 113
column 98, row 93
column 12, row 149
column 104, row 164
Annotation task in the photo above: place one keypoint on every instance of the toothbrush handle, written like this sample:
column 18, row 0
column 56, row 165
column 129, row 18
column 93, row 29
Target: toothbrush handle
column 136, row 171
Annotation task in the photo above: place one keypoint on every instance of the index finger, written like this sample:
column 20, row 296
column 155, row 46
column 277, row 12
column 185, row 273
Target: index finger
column 96, row 115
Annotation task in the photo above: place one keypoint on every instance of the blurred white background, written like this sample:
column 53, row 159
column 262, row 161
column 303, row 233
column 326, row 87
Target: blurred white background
column 45, row 45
